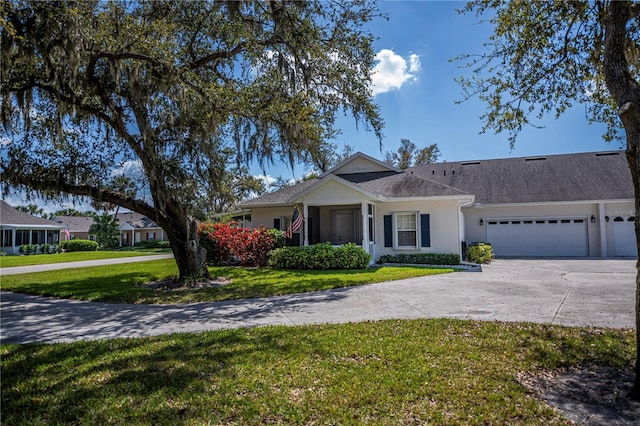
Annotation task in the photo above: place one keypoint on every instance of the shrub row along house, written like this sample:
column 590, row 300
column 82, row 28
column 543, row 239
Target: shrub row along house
column 556, row 205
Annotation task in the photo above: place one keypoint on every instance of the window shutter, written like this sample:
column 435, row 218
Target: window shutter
column 276, row 223
column 425, row 232
column 388, row 231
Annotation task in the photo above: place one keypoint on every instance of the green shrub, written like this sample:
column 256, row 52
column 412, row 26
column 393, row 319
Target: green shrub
column 480, row 252
column 422, row 258
column 45, row 248
column 153, row 244
column 320, row 256
column 3, row 253
column 79, row 245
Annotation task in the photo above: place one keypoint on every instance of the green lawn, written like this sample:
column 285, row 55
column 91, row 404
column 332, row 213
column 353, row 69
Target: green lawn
column 441, row 372
column 118, row 283
column 41, row 259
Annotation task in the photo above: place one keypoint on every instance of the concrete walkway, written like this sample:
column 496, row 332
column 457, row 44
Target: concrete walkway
column 568, row 292
column 82, row 264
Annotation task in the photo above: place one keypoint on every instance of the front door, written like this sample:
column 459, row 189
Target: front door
column 343, row 226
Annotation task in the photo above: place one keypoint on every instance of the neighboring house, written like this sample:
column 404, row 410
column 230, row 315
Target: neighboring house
column 556, row 205
column 78, row 226
column 18, row 228
column 135, row 227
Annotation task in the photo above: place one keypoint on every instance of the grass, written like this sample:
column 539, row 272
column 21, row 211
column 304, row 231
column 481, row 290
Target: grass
column 441, row 372
column 119, row 283
column 77, row 256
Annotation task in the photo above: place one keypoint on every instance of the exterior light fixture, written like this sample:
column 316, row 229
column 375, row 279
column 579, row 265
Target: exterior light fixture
column 593, row 219
column 606, row 218
column 481, row 221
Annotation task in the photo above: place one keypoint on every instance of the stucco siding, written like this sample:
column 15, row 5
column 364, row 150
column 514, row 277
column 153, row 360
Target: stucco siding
column 474, row 231
column 444, row 226
column 265, row 216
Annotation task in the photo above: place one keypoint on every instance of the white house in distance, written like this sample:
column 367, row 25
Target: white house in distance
column 18, row 228
column 577, row 205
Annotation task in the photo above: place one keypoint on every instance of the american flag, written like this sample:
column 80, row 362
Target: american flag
column 66, row 233
column 296, row 222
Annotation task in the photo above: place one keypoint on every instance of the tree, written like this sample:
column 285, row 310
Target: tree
column 88, row 86
column 408, row 155
column 71, row 212
column 546, row 56
column 329, row 157
column 105, row 228
column 121, row 184
column 32, row 209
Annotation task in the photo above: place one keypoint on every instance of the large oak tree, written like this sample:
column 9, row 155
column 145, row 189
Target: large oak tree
column 90, row 85
column 545, row 56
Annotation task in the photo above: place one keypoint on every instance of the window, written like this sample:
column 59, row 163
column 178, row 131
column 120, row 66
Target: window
column 371, row 223
column 406, row 230
column 22, row 237
column 151, row 236
column 37, row 237
column 7, row 238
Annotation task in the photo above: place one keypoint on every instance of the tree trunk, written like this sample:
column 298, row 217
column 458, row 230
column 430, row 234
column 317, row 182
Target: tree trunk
column 190, row 256
column 626, row 92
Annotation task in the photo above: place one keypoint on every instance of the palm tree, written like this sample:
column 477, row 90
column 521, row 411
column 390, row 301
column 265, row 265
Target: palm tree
column 105, row 228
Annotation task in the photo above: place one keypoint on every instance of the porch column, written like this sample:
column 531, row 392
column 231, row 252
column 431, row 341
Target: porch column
column 13, row 241
column 364, row 210
column 305, row 213
column 603, row 230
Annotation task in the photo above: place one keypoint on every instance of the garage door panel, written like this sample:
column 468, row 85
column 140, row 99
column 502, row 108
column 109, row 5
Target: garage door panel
column 624, row 237
column 538, row 237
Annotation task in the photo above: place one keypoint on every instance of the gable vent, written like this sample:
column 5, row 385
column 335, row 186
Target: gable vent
column 470, row 163
column 605, row 154
column 535, row 159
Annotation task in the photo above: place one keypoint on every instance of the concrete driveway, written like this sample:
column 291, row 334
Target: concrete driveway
column 568, row 292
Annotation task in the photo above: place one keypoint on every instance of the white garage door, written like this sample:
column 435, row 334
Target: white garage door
column 538, row 237
column 624, row 237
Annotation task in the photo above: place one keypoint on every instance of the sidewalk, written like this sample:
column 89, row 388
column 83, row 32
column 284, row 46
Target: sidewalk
column 82, row 264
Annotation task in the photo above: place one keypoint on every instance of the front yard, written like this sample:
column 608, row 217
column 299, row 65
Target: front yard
column 441, row 372
column 122, row 283
column 41, row 259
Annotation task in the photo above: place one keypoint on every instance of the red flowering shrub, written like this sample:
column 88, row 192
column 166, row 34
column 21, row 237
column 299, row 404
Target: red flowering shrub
column 227, row 244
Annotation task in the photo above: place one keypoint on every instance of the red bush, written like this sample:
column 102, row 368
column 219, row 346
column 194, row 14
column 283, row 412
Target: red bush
column 228, row 244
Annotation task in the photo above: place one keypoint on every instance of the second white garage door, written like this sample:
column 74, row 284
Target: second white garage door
column 538, row 237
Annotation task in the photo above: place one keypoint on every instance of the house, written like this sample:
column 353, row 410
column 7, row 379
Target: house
column 18, row 228
column 78, row 226
column 135, row 227
column 557, row 205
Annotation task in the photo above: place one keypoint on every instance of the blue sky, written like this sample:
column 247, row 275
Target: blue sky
column 417, row 102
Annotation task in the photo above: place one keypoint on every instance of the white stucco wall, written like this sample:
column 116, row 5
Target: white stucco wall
column 476, row 232
column 443, row 219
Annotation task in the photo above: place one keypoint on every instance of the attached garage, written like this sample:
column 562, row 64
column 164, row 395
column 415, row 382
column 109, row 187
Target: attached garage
column 624, row 237
column 538, row 236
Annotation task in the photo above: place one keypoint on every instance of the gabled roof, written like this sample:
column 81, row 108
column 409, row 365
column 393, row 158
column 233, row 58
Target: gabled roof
column 382, row 185
column 136, row 220
column 550, row 178
column 75, row 223
column 11, row 216
column 367, row 163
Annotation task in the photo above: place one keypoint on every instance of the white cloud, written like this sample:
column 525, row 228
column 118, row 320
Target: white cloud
column 392, row 71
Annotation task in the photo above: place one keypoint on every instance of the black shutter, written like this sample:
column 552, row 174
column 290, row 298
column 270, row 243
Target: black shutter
column 425, row 232
column 276, row 223
column 388, row 231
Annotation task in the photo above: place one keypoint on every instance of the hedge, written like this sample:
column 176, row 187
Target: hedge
column 480, row 252
column 320, row 256
column 422, row 258
column 79, row 245
column 153, row 244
